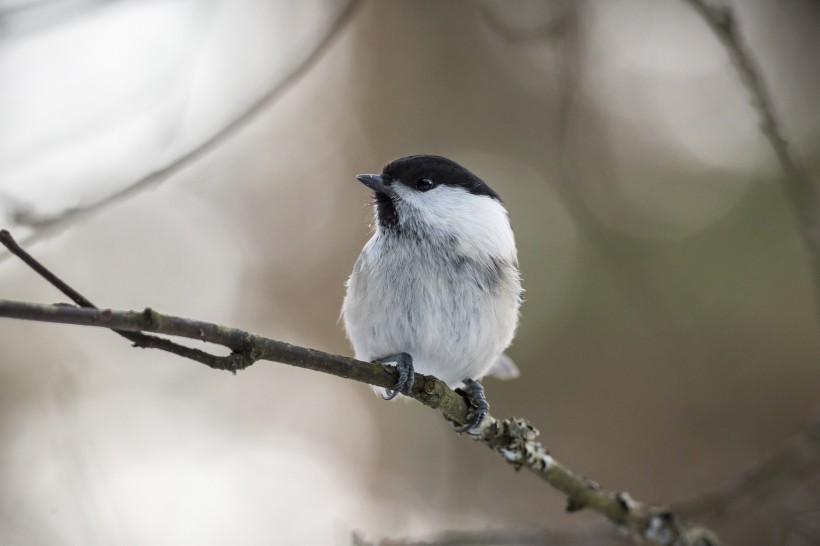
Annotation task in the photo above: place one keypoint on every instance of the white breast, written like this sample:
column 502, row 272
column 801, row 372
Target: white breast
column 444, row 288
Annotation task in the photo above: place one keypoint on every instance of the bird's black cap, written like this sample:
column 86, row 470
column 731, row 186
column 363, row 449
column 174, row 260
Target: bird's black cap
column 419, row 173
column 440, row 170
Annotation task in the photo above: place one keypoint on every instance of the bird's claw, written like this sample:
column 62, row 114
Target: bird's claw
column 473, row 391
column 404, row 365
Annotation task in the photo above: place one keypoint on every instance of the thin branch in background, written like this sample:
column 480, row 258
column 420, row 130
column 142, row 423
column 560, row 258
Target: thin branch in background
column 515, row 440
column 789, row 468
column 43, row 226
column 617, row 249
column 801, row 189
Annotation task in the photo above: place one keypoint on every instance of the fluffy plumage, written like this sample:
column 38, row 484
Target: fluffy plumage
column 439, row 278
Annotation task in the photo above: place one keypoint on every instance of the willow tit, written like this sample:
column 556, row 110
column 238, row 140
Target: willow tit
column 436, row 289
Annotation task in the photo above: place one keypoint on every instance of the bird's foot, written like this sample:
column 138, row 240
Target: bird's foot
column 404, row 365
column 473, row 391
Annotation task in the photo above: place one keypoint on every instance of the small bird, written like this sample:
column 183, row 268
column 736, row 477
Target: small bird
column 436, row 290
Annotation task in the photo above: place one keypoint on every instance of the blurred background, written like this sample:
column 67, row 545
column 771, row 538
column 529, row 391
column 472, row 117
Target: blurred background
column 198, row 157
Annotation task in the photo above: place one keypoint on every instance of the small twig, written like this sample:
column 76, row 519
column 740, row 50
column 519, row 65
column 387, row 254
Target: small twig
column 800, row 457
column 235, row 361
column 8, row 241
column 721, row 20
column 803, row 192
column 514, row 439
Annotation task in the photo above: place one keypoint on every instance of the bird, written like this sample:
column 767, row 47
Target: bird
column 436, row 289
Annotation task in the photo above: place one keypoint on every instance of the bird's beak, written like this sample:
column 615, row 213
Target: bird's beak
column 375, row 182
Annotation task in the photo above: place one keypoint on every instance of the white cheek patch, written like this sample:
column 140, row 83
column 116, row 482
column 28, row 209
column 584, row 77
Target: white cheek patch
column 478, row 224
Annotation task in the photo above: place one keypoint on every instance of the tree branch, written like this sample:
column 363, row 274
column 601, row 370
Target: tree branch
column 791, row 464
column 233, row 362
column 514, row 439
column 42, row 225
column 803, row 192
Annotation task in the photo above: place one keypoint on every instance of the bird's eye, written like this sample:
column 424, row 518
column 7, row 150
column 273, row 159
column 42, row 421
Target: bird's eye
column 424, row 184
